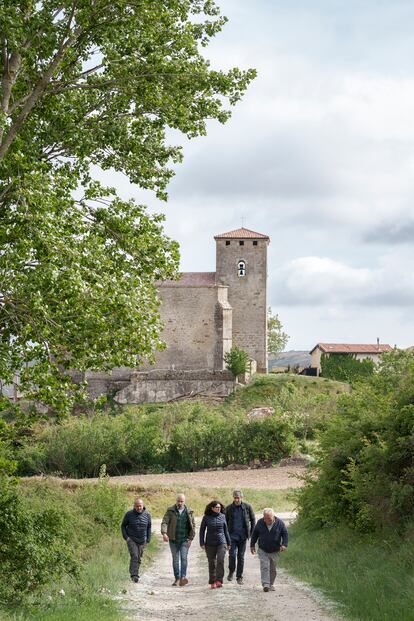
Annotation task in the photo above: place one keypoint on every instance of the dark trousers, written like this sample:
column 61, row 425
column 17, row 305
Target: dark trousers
column 135, row 551
column 215, row 556
column 237, row 550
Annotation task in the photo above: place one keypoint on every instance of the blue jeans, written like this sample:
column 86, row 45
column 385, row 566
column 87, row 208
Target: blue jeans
column 179, row 554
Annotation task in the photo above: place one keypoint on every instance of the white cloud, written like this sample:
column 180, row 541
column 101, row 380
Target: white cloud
column 322, row 281
column 319, row 155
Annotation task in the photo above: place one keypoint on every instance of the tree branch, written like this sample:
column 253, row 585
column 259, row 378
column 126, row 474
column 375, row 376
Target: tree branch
column 11, row 69
column 41, row 86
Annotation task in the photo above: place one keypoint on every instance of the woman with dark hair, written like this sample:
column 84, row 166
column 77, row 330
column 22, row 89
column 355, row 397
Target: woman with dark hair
column 215, row 539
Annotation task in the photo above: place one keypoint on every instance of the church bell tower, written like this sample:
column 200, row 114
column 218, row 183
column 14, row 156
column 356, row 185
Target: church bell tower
column 241, row 264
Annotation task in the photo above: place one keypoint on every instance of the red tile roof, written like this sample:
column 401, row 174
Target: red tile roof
column 192, row 279
column 241, row 234
column 347, row 348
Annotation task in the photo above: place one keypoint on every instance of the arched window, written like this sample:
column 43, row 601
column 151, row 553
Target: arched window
column 241, row 268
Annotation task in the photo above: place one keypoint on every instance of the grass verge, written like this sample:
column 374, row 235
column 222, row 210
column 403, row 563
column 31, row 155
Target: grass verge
column 197, row 498
column 92, row 598
column 370, row 577
column 158, row 497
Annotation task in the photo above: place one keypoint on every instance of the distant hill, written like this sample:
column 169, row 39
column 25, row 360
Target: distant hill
column 290, row 358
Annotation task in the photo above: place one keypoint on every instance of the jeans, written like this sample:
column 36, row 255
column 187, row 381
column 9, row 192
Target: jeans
column 215, row 556
column 135, row 551
column 179, row 553
column 237, row 550
column 268, row 562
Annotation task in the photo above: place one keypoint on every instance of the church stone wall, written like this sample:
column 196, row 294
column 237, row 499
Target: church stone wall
column 247, row 294
column 198, row 326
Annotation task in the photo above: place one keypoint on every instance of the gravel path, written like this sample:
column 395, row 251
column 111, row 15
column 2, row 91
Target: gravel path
column 154, row 598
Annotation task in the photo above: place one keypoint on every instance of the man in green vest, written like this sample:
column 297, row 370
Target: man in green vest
column 178, row 528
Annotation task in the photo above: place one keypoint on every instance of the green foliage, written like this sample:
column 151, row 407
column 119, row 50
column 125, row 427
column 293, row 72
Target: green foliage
column 182, row 437
column 366, row 455
column 265, row 389
column 185, row 436
column 47, row 533
column 346, row 368
column 369, row 577
column 34, row 544
column 236, row 360
column 276, row 337
column 307, row 413
column 101, row 86
column 305, row 403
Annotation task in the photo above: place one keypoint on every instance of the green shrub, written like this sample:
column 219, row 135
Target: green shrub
column 35, row 543
column 236, row 360
column 366, row 454
column 345, row 367
column 48, row 533
column 178, row 437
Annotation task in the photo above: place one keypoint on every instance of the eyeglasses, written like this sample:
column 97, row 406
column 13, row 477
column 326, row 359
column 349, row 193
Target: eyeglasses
column 217, row 507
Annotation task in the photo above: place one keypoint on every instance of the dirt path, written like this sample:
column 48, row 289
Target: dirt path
column 154, row 598
column 279, row 477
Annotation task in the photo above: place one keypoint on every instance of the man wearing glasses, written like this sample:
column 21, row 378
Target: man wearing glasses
column 241, row 522
column 178, row 528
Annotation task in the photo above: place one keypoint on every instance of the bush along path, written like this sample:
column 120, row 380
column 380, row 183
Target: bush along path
column 155, row 598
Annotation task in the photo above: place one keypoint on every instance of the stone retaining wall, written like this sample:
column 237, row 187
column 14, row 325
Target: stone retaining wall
column 163, row 386
column 127, row 385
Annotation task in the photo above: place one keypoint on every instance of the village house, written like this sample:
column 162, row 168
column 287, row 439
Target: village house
column 356, row 350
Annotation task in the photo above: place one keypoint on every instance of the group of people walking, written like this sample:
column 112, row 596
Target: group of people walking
column 222, row 529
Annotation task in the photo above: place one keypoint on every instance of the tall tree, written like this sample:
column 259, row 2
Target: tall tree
column 276, row 337
column 83, row 83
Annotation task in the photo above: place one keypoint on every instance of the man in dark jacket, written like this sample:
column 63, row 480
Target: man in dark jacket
column 178, row 528
column 240, row 521
column 136, row 530
column 273, row 538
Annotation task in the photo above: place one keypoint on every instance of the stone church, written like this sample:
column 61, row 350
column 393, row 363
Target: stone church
column 205, row 314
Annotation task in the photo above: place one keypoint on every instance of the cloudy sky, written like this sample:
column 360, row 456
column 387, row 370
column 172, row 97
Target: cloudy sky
column 319, row 156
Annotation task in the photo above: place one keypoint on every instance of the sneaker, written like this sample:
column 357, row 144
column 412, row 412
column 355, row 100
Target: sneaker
column 219, row 584
column 213, row 585
column 272, row 588
column 176, row 582
column 240, row 580
column 230, row 576
column 183, row 581
column 135, row 578
column 266, row 589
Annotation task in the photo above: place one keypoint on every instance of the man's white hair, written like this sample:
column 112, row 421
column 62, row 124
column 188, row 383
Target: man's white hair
column 268, row 510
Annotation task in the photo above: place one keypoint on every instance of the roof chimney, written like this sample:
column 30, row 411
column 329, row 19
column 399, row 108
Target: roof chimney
column 378, row 342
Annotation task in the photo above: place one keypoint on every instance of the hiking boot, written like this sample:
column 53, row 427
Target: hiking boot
column 183, row 581
column 219, row 584
column 230, row 576
column 213, row 585
column 266, row 589
column 239, row 580
column 176, row 582
column 135, row 578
